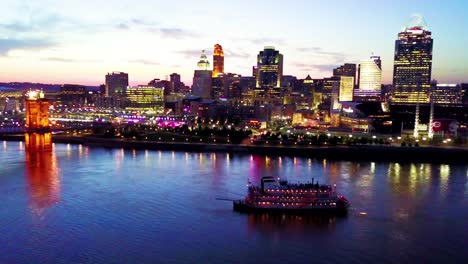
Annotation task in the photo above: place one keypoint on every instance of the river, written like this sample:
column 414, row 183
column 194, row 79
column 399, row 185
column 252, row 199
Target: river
column 77, row 204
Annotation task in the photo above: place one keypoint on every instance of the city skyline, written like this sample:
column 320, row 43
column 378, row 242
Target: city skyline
column 76, row 43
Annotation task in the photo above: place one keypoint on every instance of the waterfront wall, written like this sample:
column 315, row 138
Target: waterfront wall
column 351, row 153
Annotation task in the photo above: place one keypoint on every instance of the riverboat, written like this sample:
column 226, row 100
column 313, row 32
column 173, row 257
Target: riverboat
column 275, row 195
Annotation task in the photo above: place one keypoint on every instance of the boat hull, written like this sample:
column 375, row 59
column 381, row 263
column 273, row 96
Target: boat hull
column 240, row 206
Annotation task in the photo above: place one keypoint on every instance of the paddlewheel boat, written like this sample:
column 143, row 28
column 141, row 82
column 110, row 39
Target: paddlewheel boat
column 274, row 195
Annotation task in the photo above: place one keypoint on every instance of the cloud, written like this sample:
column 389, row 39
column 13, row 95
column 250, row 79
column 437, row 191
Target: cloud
column 34, row 22
column 176, row 33
column 60, row 59
column 57, row 59
column 315, row 67
column 193, row 53
column 137, row 23
column 320, row 51
column 151, row 26
column 268, row 41
column 122, row 26
column 6, row 45
column 146, row 62
column 16, row 27
column 232, row 54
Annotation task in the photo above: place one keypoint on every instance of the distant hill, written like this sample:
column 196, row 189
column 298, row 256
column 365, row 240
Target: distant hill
column 22, row 86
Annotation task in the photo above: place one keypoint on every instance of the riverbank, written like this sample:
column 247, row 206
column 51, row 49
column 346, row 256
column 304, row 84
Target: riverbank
column 339, row 152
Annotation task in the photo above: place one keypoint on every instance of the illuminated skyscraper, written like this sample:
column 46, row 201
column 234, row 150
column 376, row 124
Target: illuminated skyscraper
column 202, row 80
column 370, row 77
column 269, row 68
column 218, row 60
column 413, row 63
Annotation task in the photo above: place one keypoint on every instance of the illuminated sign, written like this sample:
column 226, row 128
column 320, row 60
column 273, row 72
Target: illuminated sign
column 347, row 109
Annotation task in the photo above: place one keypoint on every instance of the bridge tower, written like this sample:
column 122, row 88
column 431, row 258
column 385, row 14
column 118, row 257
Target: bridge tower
column 37, row 136
column 37, row 112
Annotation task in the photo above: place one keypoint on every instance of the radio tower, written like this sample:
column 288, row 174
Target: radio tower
column 430, row 132
column 416, row 114
column 416, row 122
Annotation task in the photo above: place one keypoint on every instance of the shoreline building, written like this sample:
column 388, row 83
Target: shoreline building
column 369, row 79
column 412, row 63
column 202, row 78
column 218, row 60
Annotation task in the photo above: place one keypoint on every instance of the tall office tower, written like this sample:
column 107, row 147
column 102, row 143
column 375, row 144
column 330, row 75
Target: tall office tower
column 370, row 78
column 116, row 83
column 175, row 82
column 202, row 80
column 347, row 69
column 218, row 60
column 413, row 63
column 269, row 68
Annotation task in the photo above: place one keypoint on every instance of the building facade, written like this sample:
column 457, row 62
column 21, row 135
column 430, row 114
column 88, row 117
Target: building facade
column 145, row 98
column 218, row 60
column 269, row 68
column 369, row 77
column 73, row 95
column 116, row 83
column 412, row 64
column 176, row 83
column 202, row 78
column 448, row 94
column 346, row 89
column 347, row 69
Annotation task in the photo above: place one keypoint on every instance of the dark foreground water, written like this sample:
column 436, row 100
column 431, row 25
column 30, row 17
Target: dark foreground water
column 91, row 205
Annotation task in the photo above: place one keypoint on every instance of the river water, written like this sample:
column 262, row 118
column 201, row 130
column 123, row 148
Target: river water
column 75, row 204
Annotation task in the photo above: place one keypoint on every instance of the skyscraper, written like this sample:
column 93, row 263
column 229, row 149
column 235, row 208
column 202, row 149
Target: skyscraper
column 175, row 82
column 116, row 83
column 369, row 77
column 347, row 69
column 412, row 63
column 202, row 80
column 218, row 60
column 269, row 68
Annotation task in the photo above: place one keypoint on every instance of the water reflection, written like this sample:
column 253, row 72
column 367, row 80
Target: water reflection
column 290, row 224
column 42, row 172
column 410, row 179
